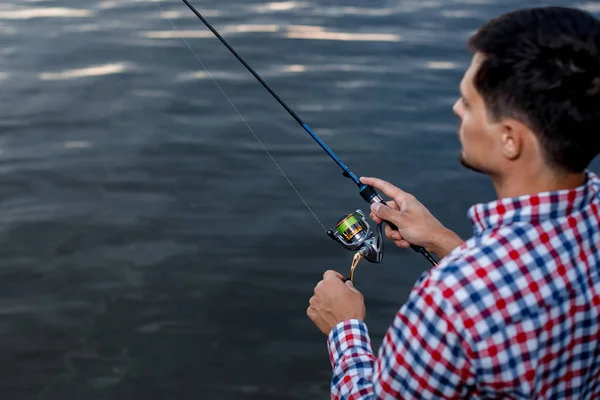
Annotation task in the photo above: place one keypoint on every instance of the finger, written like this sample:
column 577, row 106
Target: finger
column 403, row 243
column 396, row 236
column 317, row 287
column 386, row 187
column 385, row 213
column 389, row 232
column 375, row 218
column 330, row 275
column 392, row 204
column 350, row 286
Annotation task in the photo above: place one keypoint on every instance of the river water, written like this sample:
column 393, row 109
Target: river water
column 150, row 247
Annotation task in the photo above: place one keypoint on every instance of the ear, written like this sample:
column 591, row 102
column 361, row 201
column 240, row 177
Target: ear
column 513, row 138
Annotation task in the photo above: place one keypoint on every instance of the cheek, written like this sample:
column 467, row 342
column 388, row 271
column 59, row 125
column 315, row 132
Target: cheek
column 471, row 130
column 466, row 129
column 472, row 138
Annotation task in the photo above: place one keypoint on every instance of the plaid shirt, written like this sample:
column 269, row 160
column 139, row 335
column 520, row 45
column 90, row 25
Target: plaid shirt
column 514, row 312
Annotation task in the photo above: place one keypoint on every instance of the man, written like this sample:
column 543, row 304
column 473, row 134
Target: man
column 513, row 312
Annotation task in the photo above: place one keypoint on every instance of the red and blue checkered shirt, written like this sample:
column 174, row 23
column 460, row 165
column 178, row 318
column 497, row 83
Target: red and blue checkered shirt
column 514, row 312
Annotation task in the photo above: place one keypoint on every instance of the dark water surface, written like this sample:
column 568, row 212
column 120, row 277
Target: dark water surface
column 150, row 248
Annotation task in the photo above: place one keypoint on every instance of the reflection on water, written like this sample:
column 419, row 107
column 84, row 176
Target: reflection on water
column 196, row 34
column 150, row 248
column 97, row 70
column 458, row 13
column 56, row 12
column 290, row 32
column 279, row 6
column 293, row 68
column 319, row 33
column 442, row 65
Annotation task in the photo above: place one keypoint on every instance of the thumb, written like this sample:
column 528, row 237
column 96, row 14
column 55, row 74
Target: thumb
column 332, row 275
column 350, row 285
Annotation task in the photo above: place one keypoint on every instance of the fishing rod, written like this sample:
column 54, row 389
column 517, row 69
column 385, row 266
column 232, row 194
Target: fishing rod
column 367, row 192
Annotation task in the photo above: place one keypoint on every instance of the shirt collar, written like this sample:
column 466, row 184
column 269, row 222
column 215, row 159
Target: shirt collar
column 533, row 208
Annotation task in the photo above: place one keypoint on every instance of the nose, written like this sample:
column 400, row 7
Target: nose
column 458, row 108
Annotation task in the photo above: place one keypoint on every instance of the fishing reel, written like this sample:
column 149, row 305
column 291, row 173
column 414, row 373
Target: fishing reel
column 354, row 233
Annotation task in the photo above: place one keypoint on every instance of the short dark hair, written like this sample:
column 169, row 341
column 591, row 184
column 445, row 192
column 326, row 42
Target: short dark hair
column 542, row 67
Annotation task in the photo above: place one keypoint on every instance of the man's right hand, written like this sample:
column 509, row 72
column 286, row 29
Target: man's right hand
column 416, row 225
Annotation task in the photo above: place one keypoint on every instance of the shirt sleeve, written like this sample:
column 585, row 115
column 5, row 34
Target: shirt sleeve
column 352, row 359
column 421, row 357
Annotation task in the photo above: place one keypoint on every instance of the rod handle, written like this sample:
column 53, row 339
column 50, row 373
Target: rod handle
column 371, row 196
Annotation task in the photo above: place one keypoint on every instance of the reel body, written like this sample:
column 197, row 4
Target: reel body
column 354, row 233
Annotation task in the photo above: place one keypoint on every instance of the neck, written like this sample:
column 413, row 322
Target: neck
column 530, row 182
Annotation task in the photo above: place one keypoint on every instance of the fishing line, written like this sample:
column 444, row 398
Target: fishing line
column 235, row 108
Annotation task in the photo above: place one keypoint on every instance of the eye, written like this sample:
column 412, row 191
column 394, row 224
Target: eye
column 465, row 102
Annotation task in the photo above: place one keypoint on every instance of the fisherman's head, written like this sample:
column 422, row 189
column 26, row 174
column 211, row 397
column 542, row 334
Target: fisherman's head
column 531, row 97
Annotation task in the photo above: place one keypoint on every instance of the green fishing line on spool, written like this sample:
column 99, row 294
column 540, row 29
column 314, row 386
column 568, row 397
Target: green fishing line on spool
column 349, row 226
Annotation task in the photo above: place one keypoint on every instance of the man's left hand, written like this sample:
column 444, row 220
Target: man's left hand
column 335, row 301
